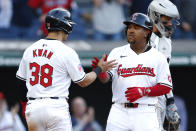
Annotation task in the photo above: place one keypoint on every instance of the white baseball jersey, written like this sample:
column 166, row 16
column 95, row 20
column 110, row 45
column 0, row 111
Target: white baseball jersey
column 133, row 70
column 48, row 66
column 162, row 44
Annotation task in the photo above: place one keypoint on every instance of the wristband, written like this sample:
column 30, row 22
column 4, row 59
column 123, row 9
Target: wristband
column 103, row 75
column 97, row 70
column 170, row 101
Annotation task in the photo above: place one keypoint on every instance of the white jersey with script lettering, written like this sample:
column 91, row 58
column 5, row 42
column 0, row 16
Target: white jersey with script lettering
column 48, row 66
column 144, row 70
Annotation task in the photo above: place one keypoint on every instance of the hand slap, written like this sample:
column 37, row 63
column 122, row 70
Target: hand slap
column 95, row 61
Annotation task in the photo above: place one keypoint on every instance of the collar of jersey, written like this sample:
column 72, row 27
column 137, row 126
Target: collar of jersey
column 147, row 49
column 49, row 39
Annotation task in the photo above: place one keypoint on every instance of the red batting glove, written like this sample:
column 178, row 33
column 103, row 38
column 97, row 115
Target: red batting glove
column 134, row 93
column 94, row 64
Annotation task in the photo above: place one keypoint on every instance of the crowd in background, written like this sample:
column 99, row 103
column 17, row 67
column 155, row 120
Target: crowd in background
column 96, row 19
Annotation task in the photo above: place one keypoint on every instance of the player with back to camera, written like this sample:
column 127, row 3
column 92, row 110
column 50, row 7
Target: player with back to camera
column 140, row 76
column 47, row 68
column 164, row 15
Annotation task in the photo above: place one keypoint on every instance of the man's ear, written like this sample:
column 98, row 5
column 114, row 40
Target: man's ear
column 147, row 32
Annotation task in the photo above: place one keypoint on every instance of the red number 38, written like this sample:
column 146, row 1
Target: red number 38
column 45, row 77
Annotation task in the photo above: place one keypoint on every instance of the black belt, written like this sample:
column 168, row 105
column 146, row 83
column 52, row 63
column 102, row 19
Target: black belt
column 134, row 105
column 130, row 105
column 31, row 98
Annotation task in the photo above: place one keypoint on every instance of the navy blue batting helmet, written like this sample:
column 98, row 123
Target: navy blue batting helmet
column 59, row 19
column 140, row 19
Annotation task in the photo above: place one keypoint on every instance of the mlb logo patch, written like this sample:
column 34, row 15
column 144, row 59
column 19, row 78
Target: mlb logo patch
column 169, row 79
column 80, row 68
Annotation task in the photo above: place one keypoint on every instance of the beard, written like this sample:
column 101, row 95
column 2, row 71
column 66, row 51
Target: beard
column 132, row 42
column 131, row 39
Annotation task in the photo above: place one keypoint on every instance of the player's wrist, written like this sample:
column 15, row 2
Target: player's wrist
column 97, row 70
column 170, row 101
column 103, row 75
column 146, row 91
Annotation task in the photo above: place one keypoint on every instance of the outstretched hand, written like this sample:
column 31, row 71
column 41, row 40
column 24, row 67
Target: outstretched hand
column 95, row 61
column 106, row 65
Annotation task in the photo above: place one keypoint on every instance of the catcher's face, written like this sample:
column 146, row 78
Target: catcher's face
column 136, row 34
column 167, row 23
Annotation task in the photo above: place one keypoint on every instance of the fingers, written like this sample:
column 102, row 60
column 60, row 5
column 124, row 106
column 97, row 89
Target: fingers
column 111, row 65
column 94, row 66
column 97, row 60
column 131, row 90
column 106, row 57
column 94, row 62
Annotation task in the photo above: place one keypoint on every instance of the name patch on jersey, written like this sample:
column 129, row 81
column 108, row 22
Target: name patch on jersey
column 42, row 53
column 139, row 70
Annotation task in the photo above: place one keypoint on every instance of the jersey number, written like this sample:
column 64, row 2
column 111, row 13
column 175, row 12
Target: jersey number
column 45, row 77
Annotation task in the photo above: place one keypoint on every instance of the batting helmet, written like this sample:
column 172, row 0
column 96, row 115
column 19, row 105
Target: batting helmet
column 140, row 20
column 163, row 7
column 59, row 19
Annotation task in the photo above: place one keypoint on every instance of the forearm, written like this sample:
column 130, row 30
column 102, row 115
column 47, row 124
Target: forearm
column 157, row 90
column 90, row 78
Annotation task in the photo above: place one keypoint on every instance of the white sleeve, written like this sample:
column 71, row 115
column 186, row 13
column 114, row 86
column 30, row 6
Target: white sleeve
column 74, row 67
column 22, row 70
column 163, row 73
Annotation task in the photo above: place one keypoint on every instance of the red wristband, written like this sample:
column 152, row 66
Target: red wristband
column 103, row 75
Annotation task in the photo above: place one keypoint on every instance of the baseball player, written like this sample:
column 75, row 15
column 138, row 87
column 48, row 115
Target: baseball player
column 164, row 15
column 142, row 74
column 47, row 68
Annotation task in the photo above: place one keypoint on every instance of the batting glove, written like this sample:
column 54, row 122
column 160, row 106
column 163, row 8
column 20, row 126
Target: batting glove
column 94, row 64
column 134, row 93
column 172, row 116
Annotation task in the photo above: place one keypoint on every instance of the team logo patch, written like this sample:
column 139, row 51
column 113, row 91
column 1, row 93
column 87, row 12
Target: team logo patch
column 134, row 17
column 169, row 79
column 80, row 68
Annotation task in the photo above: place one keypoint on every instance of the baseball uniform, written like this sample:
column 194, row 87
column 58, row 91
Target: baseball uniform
column 163, row 45
column 48, row 66
column 136, row 70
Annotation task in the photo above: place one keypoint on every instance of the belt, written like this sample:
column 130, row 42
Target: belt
column 130, row 105
column 134, row 105
column 31, row 98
